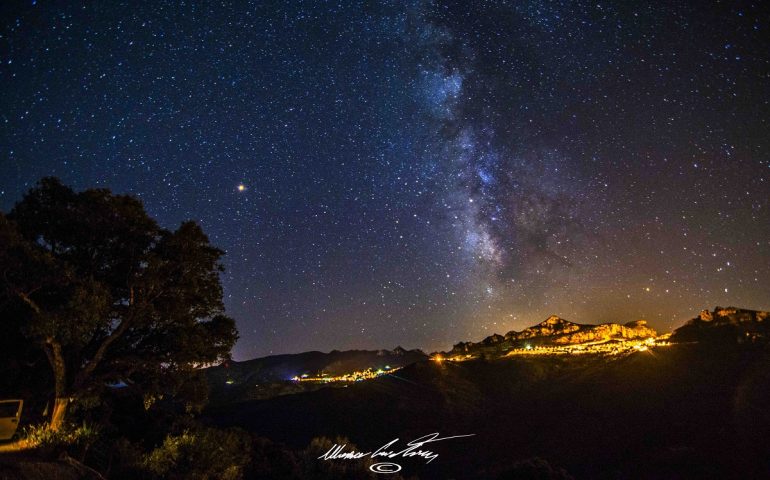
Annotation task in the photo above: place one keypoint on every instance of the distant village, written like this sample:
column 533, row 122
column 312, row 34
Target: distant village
column 604, row 347
column 357, row 376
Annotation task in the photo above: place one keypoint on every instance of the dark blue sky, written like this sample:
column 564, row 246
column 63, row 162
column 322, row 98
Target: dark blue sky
column 415, row 173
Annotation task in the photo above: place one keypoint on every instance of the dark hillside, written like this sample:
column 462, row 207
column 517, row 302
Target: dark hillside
column 699, row 408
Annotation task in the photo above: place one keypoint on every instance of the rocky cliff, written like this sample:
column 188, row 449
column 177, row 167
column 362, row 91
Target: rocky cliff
column 606, row 331
column 553, row 325
column 556, row 330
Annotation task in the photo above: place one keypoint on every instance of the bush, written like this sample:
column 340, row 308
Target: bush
column 70, row 438
column 201, row 454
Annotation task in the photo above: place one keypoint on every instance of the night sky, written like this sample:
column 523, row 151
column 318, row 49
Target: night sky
column 415, row 173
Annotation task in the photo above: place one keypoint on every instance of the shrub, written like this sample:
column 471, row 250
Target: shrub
column 201, row 454
column 70, row 438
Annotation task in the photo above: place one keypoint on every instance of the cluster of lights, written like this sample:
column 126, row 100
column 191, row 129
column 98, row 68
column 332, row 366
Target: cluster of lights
column 455, row 358
column 605, row 348
column 356, row 376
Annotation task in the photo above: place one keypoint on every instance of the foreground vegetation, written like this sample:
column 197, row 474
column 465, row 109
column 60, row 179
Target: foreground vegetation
column 188, row 450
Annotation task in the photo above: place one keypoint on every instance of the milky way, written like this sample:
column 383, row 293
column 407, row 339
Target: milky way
column 415, row 173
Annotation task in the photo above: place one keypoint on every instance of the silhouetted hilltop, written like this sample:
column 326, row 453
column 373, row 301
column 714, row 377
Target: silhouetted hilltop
column 271, row 376
column 729, row 324
column 284, row 367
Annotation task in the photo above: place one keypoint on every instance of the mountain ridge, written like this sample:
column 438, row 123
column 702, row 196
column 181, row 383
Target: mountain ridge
column 284, row 374
column 553, row 329
column 558, row 331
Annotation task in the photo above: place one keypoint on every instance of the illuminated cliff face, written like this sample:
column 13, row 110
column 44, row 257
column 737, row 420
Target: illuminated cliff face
column 553, row 325
column 607, row 331
column 568, row 332
column 557, row 331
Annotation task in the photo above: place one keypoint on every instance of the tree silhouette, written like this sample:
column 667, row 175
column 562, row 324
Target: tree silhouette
column 109, row 296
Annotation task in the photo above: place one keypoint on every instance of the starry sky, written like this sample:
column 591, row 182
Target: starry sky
column 415, row 173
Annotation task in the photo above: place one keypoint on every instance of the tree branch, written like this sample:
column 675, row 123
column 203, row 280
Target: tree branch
column 34, row 306
column 89, row 368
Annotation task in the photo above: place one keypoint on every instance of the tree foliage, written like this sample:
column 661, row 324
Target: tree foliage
column 108, row 296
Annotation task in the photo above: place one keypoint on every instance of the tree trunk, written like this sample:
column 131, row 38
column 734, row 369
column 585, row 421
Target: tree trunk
column 61, row 400
column 59, row 412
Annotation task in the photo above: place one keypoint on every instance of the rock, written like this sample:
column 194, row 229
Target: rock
column 491, row 340
column 607, row 331
column 636, row 324
column 553, row 325
column 462, row 347
column 556, row 330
